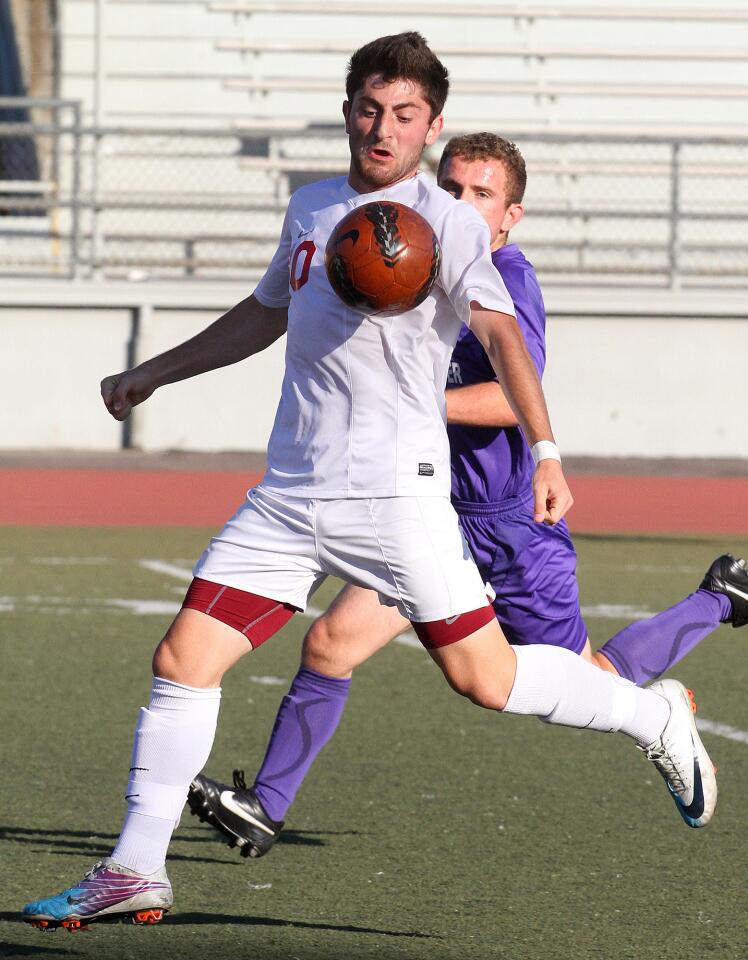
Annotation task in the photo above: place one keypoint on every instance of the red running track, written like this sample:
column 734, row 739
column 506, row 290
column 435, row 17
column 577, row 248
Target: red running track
column 604, row 504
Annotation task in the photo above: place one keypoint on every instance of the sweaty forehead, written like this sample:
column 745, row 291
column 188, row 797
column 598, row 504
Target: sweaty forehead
column 489, row 172
column 399, row 90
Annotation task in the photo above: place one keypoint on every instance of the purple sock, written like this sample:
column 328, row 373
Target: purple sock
column 307, row 718
column 646, row 649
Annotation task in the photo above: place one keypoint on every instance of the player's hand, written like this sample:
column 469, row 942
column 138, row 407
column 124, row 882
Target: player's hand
column 122, row 391
column 553, row 498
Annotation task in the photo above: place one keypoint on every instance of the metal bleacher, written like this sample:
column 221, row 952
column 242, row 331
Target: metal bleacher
column 205, row 114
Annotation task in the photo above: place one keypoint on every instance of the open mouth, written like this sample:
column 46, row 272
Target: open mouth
column 379, row 153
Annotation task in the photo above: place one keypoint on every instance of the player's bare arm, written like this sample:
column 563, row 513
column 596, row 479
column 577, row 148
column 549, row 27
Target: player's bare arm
column 245, row 329
column 479, row 405
column 501, row 338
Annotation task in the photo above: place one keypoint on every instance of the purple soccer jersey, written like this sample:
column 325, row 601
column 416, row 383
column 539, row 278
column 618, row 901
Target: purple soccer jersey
column 531, row 567
column 488, row 464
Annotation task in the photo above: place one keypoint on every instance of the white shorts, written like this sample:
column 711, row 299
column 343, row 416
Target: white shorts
column 409, row 549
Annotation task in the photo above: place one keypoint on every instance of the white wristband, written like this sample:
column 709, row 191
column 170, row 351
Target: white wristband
column 545, row 450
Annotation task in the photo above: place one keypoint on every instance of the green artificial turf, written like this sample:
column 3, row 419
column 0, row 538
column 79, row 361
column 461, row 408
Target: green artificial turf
column 428, row 828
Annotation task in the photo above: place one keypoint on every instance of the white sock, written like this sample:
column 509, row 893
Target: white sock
column 173, row 739
column 143, row 842
column 560, row 687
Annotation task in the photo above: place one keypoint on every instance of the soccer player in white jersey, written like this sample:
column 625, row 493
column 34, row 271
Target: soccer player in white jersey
column 358, row 485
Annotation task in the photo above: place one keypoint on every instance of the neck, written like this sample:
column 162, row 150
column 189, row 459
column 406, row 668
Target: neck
column 357, row 183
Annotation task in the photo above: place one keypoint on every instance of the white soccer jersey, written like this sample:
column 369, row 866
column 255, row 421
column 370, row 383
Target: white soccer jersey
column 362, row 410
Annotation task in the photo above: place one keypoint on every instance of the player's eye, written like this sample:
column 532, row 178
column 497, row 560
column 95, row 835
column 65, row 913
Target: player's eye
column 403, row 119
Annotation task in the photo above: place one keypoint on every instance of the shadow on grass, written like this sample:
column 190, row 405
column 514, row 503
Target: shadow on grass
column 98, row 845
column 31, row 950
column 222, row 919
column 300, row 838
column 200, row 919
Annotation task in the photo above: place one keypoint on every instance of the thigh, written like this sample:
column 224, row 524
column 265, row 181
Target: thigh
column 267, row 548
column 197, row 650
column 409, row 549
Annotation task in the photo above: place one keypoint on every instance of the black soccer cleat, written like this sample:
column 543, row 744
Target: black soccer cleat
column 730, row 577
column 236, row 812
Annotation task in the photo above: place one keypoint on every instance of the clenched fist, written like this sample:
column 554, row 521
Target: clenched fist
column 123, row 391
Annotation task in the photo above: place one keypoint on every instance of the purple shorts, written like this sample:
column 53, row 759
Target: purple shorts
column 532, row 568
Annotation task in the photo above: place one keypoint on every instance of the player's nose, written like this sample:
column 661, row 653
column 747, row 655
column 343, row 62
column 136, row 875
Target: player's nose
column 384, row 126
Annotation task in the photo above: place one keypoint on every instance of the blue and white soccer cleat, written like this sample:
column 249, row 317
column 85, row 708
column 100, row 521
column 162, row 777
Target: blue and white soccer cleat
column 729, row 576
column 681, row 758
column 108, row 892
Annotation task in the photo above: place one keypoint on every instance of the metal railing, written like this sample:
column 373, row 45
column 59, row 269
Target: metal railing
column 126, row 202
column 40, row 186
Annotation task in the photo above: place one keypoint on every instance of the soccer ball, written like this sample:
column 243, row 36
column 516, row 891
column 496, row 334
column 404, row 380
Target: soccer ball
column 383, row 258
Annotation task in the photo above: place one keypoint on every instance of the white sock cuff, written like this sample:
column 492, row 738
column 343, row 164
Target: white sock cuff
column 529, row 694
column 180, row 691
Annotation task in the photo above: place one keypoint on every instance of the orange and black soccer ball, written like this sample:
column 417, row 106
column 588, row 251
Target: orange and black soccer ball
column 383, row 258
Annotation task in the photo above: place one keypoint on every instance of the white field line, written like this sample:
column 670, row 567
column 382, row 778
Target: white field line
column 168, row 569
column 722, row 730
column 145, row 607
column 615, row 611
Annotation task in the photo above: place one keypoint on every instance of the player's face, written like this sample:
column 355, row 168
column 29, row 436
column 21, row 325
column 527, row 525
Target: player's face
column 388, row 126
column 482, row 183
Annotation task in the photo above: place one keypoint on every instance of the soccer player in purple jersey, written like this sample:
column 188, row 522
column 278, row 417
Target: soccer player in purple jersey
column 531, row 567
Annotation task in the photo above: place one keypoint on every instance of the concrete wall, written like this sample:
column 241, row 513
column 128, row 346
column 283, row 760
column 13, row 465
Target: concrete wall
column 648, row 386
column 647, row 373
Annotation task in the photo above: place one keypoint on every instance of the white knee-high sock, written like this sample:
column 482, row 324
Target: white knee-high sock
column 560, row 687
column 173, row 739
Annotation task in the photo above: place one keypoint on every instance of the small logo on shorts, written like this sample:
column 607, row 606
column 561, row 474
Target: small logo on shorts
column 425, row 469
column 450, row 620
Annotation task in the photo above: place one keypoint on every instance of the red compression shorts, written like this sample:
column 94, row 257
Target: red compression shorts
column 258, row 618
column 440, row 633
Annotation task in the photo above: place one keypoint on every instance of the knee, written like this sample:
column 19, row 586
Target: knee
column 166, row 662
column 323, row 653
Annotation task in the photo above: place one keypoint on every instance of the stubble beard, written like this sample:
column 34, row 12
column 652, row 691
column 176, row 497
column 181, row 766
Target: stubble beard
column 378, row 177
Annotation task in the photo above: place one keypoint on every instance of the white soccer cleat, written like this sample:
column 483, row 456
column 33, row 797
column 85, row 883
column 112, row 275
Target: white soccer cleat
column 681, row 757
column 108, row 892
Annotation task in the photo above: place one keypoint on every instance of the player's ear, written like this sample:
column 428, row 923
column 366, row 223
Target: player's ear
column 347, row 113
column 513, row 215
column 435, row 129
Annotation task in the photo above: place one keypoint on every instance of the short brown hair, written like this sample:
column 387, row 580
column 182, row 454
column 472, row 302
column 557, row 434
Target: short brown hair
column 487, row 146
column 402, row 56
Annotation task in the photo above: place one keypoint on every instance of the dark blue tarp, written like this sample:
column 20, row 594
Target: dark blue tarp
column 18, row 156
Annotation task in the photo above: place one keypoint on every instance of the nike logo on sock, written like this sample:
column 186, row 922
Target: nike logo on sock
column 227, row 800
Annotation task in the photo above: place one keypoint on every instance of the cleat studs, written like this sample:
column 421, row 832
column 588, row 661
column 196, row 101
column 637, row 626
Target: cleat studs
column 148, row 916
